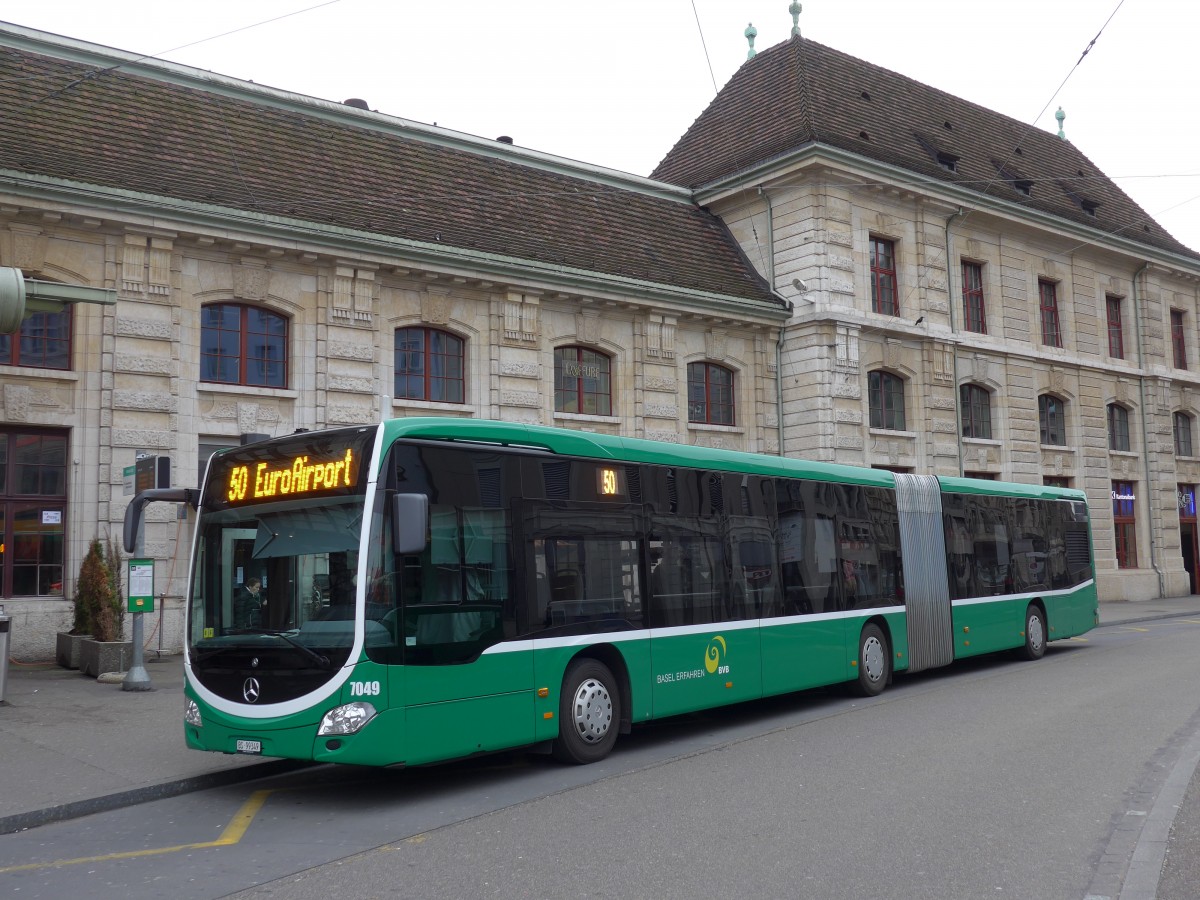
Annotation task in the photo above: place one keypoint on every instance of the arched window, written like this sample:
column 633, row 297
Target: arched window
column 710, row 394
column 582, row 381
column 430, row 364
column 1118, row 427
column 885, row 393
column 976, row 405
column 1183, row 434
column 241, row 344
column 1052, row 421
column 44, row 342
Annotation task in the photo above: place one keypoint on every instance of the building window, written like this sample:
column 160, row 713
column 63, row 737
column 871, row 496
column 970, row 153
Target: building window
column 1051, row 332
column 1118, row 427
column 582, row 381
column 243, row 345
column 429, row 365
column 885, row 393
column 205, row 448
column 1183, row 434
column 1178, row 340
column 976, row 405
column 1052, row 421
column 1058, row 481
column 33, row 512
column 973, row 312
column 710, row 394
column 1125, row 524
column 43, row 342
column 883, row 277
column 1116, row 330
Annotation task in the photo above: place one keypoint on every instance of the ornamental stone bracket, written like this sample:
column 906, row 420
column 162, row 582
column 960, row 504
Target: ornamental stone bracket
column 660, row 336
column 251, row 281
column 352, row 299
column 716, row 344
column 521, row 317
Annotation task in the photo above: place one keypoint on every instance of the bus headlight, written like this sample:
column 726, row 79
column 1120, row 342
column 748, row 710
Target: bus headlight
column 191, row 714
column 346, row 719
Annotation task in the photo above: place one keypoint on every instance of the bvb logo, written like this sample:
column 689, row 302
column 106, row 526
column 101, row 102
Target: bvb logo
column 714, row 654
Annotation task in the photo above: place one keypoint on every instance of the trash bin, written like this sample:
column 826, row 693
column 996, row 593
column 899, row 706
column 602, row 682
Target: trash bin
column 4, row 625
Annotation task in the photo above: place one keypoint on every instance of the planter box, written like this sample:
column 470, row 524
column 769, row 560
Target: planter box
column 98, row 657
column 66, row 648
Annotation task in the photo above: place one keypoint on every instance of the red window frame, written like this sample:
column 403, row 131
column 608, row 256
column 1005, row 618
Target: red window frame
column 884, row 299
column 1118, row 427
column 44, row 342
column 1183, row 434
column 974, row 316
column 1178, row 339
column 1048, row 305
column 1052, row 421
column 582, row 391
column 1116, row 329
column 254, row 346
column 435, row 371
column 885, row 400
column 34, row 511
column 1125, row 524
column 710, row 394
column 976, row 403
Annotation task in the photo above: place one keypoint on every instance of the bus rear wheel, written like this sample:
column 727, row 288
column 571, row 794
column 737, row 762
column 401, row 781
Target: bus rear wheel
column 589, row 713
column 1035, row 633
column 874, row 661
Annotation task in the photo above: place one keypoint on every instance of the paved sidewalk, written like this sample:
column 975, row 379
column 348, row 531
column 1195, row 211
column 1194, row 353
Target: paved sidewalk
column 71, row 746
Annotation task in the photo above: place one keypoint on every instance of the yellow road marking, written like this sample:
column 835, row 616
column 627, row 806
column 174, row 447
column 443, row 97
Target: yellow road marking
column 234, row 832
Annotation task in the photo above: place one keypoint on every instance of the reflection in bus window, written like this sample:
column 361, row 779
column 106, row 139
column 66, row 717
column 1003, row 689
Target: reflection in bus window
column 587, row 579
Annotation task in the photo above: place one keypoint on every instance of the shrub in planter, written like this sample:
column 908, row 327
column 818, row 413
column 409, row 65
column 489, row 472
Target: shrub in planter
column 95, row 590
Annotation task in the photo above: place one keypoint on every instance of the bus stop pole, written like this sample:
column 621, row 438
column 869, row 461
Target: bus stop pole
column 137, row 678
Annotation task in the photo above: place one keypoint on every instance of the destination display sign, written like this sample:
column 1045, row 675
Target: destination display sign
column 297, row 476
column 308, row 465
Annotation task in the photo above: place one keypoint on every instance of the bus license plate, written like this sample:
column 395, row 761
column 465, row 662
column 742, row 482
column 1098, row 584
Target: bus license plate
column 249, row 746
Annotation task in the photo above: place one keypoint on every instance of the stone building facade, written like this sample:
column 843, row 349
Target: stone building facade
column 1031, row 322
column 649, row 285
column 1037, row 329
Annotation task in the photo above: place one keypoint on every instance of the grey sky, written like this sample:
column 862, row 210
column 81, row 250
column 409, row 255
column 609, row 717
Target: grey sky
column 616, row 83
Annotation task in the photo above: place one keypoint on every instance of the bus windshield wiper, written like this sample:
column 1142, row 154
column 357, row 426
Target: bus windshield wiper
column 321, row 661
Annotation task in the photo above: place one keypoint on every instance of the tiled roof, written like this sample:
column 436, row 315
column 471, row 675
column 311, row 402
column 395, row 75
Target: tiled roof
column 171, row 137
column 802, row 93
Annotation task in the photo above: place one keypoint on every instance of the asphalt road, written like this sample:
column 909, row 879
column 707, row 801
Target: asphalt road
column 993, row 778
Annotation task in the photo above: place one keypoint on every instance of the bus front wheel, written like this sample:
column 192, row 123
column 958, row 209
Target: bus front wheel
column 874, row 661
column 1035, row 633
column 589, row 713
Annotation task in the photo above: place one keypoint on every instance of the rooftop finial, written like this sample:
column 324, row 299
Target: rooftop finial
column 751, row 33
column 1060, row 115
column 794, row 9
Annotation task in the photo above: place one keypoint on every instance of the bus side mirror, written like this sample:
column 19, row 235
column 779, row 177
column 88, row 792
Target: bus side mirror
column 410, row 522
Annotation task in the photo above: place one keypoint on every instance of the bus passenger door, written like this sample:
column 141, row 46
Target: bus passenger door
column 465, row 690
column 584, row 567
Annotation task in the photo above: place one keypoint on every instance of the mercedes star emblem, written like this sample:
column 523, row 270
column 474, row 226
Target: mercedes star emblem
column 251, row 690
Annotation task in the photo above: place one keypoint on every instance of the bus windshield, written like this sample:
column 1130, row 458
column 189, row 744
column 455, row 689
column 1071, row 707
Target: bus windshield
column 278, row 577
column 273, row 580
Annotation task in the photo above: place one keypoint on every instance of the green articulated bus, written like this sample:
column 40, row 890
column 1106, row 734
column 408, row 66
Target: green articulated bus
column 432, row 588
